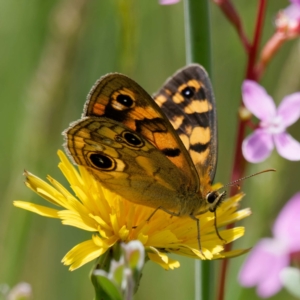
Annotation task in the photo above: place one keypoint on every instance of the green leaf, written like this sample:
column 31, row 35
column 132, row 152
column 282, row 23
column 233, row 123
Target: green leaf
column 109, row 287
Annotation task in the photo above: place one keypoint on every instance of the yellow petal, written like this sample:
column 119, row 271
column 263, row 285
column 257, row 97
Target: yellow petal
column 163, row 260
column 69, row 170
column 43, row 189
column 233, row 253
column 38, row 209
column 72, row 218
column 82, row 254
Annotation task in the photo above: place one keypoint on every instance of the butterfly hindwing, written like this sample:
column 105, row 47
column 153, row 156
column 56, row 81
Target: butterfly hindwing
column 188, row 101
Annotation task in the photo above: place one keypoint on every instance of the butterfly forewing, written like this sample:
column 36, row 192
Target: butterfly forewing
column 125, row 162
column 121, row 99
column 188, row 102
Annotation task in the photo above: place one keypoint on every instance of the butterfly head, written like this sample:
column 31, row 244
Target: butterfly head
column 214, row 199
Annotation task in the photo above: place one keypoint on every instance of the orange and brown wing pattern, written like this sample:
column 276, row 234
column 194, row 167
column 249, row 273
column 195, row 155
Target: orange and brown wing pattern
column 125, row 162
column 121, row 99
column 187, row 100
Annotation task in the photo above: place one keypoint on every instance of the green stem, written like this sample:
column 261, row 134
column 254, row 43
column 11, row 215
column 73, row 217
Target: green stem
column 197, row 32
column 198, row 50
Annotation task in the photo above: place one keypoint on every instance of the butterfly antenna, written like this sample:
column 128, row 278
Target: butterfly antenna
column 246, row 177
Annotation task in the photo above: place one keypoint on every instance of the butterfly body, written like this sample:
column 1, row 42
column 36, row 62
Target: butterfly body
column 159, row 152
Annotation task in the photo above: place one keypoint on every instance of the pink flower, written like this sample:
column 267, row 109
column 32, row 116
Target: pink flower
column 288, row 20
column 271, row 256
column 273, row 123
column 168, row 2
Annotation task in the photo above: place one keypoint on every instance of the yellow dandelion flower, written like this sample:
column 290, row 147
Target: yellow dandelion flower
column 113, row 219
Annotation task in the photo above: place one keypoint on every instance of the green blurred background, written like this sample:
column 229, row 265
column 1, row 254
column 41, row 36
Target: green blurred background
column 51, row 54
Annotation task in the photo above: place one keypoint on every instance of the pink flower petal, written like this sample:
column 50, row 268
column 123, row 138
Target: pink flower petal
column 287, row 146
column 287, row 225
column 293, row 11
column 263, row 266
column 258, row 101
column 168, row 2
column 257, row 146
column 297, row 2
column 289, row 109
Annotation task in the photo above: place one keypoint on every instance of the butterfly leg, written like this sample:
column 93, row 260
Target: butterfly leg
column 198, row 234
column 165, row 210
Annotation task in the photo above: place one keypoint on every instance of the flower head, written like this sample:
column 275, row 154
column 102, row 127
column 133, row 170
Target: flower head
column 112, row 219
column 267, row 261
column 273, row 123
column 21, row 291
column 288, row 20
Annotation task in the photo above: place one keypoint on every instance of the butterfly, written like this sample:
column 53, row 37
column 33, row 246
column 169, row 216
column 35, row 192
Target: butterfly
column 159, row 152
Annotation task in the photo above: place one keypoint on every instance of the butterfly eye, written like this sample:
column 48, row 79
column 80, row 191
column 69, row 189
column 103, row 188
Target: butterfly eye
column 102, row 161
column 214, row 199
column 132, row 139
column 188, row 92
column 211, row 197
column 125, row 100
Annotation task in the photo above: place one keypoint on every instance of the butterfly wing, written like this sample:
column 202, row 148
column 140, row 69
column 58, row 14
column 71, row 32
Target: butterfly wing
column 121, row 99
column 188, row 102
column 125, row 162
